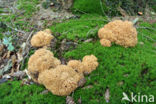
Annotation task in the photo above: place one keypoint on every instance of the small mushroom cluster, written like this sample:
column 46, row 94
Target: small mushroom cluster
column 42, row 38
column 120, row 32
column 60, row 79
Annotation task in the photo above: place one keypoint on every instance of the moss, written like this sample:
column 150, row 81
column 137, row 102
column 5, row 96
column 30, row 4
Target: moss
column 91, row 6
column 29, row 6
column 14, row 93
column 134, row 67
column 77, row 29
column 110, row 7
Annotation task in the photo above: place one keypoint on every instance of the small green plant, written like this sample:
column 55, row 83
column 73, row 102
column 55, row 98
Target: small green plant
column 7, row 41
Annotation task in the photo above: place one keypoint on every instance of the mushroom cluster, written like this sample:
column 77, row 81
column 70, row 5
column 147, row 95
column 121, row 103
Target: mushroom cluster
column 41, row 60
column 88, row 64
column 42, row 38
column 120, row 32
column 60, row 79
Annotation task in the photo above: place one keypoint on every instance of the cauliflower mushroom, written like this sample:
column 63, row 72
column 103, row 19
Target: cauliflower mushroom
column 41, row 60
column 61, row 80
column 89, row 63
column 42, row 38
column 120, row 32
column 76, row 65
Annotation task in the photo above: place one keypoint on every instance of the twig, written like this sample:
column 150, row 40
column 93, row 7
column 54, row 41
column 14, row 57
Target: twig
column 27, row 47
column 29, row 37
column 15, row 29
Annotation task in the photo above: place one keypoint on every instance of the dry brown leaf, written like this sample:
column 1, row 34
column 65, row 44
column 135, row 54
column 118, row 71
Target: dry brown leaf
column 107, row 95
column 79, row 100
column 82, row 82
column 44, row 92
column 8, row 54
column 19, row 74
column 1, row 47
column 70, row 100
column 14, row 61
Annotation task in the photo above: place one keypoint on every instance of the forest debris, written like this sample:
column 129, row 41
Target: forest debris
column 1, row 47
column 26, row 71
column 6, row 76
column 19, row 74
column 70, row 100
column 107, row 95
column 88, row 40
column 14, row 60
column 3, row 80
column 26, row 82
column 82, row 82
column 79, row 100
column 44, row 92
column 8, row 54
column 6, row 68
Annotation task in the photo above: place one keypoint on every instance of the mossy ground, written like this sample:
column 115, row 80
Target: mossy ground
column 120, row 69
column 77, row 29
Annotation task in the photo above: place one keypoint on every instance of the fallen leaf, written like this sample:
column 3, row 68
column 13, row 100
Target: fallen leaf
column 107, row 95
column 88, row 40
column 19, row 74
column 44, row 92
column 6, row 68
column 8, row 54
column 26, row 82
column 82, row 82
column 1, row 47
column 6, row 76
column 70, row 100
column 79, row 100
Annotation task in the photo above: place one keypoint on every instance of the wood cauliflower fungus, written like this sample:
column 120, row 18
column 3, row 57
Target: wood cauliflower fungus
column 61, row 80
column 41, row 60
column 88, row 64
column 76, row 65
column 120, row 32
column 42, row 38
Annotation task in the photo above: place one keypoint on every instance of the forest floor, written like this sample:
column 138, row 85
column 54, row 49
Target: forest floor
column 120, row 69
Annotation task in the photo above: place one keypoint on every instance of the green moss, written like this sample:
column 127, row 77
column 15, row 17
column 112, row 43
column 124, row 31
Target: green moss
column 77, row 29
column 134, row 67
column 14, row 93
column 91, row 6
column 110, row 7
column 29, row 6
